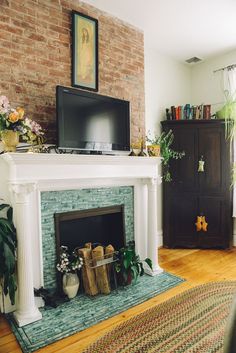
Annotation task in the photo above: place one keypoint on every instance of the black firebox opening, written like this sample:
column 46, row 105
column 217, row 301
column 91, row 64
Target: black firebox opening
column 103, row 225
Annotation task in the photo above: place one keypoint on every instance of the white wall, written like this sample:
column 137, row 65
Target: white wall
column 207, row 87
column 167, row 82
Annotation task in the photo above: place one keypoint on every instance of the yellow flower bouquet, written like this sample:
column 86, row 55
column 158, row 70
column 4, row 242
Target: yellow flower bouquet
column 14, row 120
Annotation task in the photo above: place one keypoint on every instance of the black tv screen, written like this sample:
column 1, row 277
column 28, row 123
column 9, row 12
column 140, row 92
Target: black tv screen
column 92, row 122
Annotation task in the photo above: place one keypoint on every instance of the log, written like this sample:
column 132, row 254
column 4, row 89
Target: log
column 101, row 271
column 88, row 246
column 88, row 274
column 109, row 251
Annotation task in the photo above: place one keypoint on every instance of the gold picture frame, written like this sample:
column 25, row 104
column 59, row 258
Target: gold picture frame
column 84, row 51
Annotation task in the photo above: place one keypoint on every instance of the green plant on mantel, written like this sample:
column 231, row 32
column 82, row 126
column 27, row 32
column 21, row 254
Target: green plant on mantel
column 8, row 245
column 165, row 140
column 129, row 266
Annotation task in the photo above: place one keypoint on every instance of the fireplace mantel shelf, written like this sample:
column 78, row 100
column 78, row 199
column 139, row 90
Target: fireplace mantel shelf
column 25, row 175
column 40, row 166
column 67, row 158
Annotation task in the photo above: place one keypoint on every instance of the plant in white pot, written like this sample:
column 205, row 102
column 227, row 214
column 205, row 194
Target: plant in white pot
column 69, row 265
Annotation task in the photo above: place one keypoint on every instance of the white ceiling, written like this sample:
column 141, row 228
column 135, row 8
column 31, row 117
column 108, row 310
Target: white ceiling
column 179, row 28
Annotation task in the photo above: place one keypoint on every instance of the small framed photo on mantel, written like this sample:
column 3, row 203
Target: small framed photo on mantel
column 84, row 51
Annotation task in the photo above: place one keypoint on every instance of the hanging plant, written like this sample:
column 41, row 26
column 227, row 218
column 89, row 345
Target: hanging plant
column 8, row 244
column 228, row 113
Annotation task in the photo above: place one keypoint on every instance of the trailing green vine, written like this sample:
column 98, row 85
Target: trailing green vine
column 165, row 141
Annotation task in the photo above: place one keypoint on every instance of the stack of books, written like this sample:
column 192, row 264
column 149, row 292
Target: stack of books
column 188, row 112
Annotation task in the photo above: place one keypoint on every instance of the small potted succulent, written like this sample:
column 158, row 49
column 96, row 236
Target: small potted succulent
column 129, row 266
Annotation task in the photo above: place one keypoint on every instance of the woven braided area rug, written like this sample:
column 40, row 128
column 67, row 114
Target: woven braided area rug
column 192, row 322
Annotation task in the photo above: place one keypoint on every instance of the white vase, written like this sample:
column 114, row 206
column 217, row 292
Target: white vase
column 70, row 282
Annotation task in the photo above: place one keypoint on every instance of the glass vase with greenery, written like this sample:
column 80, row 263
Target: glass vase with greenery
column 165, row 140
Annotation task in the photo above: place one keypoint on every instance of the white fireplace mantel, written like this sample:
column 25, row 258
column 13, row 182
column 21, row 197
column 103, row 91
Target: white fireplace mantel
column 23, row 177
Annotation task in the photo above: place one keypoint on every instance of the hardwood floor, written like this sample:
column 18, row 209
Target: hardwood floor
column 196, row 266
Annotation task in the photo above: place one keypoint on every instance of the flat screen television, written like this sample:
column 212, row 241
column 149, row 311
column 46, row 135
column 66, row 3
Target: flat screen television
column 91, row 122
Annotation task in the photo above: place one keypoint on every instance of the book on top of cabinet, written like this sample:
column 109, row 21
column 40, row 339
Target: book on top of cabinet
column 189, row 112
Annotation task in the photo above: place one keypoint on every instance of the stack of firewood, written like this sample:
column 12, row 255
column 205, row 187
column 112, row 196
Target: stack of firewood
column 95, row 277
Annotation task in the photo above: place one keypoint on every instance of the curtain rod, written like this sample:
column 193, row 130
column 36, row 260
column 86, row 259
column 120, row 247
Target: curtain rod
column 229, row 67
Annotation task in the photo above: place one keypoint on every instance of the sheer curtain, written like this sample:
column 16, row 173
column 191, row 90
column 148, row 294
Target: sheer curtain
column 230, row 93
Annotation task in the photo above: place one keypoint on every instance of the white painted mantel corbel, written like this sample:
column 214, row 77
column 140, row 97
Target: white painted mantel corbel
column 24, row 176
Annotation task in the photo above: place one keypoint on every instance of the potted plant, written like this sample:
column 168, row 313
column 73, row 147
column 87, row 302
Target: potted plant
column 129, row 266
column 69, row 264
column 165, row 141
column 8, row 244
column 14, row 124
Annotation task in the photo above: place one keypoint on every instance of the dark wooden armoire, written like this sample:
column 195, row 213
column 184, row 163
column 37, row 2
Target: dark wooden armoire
column 198, row 189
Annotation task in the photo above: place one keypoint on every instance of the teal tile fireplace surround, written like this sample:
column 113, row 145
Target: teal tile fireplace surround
column 71, row 200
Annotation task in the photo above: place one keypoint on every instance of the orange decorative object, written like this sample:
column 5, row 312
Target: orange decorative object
column 198, row 224
column 204, row 224
column 201, row 224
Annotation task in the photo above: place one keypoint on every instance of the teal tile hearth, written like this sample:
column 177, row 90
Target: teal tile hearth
column 83, row 311
column 71, row 200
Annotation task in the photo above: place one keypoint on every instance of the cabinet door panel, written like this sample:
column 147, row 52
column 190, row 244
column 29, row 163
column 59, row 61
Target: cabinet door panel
column 182, row 221
column 214, row 210
column 183, row 170
column 211, row 147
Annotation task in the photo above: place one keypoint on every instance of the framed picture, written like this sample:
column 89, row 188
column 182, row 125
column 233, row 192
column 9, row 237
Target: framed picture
column 84, row 51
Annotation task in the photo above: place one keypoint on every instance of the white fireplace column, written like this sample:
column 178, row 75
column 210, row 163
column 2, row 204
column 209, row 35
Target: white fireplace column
column 26, row 310
column 152, row 239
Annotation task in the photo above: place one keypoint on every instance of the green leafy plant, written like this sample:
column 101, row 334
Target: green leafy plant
column 129, row 266
column 165, row 141
column 8, row 245
column 228, row 114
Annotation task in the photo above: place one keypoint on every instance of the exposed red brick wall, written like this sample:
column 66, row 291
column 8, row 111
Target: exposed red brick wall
column 35, row 56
